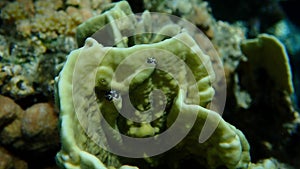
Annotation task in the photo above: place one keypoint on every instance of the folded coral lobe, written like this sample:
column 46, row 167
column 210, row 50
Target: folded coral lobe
column 145, row 100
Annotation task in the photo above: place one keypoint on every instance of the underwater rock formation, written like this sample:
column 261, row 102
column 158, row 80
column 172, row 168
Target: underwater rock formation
column 195, row 11
column 39, row 127
column 9, row 161
column 33, row 130
column 38, row 36
column 30, row 129
column 11, row 117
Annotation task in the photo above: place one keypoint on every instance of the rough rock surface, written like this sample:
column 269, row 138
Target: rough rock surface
column 10, row 120
column 8, row 161
column 33, row 131
column 39, row 127
column 9, row 110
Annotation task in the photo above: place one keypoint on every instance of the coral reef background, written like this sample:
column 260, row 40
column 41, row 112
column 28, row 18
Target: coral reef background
column 36, row 36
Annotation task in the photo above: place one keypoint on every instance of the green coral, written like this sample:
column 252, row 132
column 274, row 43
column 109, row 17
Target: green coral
column 124, row 24
column 98, row 65
column 116, row 11
column 267, row 79
column 226, row 138
column 105, row 95
column 269, row 53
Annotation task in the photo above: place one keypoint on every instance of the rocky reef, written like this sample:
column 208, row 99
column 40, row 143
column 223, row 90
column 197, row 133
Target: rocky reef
column 89, row 84
column 35, row 38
